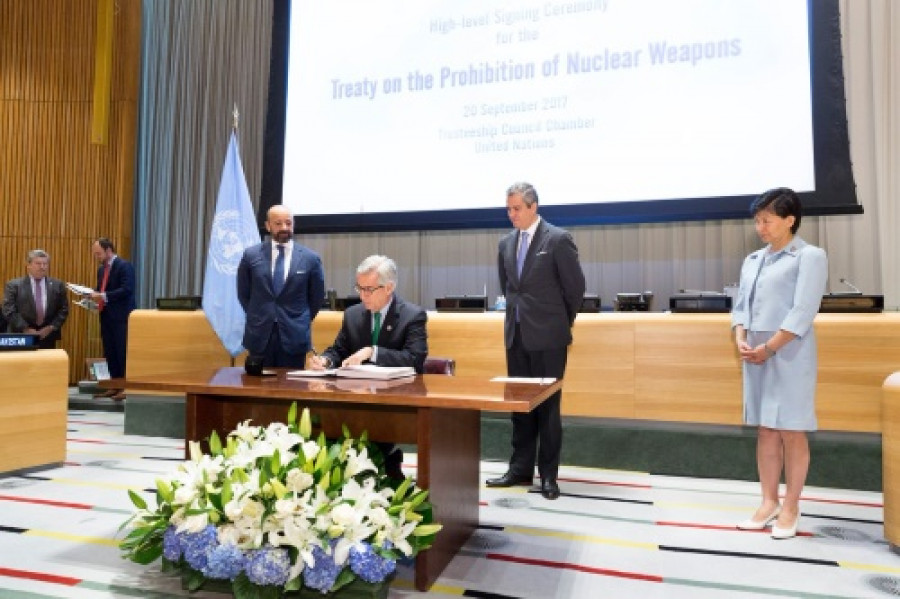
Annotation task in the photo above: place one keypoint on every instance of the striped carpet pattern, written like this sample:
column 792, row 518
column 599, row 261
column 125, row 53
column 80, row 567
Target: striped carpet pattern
column 611, row 534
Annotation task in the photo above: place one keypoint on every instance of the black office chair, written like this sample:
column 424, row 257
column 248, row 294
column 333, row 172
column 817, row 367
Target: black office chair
column 440, row 366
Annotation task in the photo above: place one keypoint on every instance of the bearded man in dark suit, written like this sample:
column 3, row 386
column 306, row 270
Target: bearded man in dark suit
column 281, row 286
column 541, row 277
column 383, row 330
column 36, row 303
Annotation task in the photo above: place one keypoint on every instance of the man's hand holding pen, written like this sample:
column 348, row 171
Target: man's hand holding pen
column 317, row 362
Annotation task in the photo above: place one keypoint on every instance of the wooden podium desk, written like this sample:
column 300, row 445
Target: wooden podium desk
column 634, row 365
column 34, row 407
column 440, row 414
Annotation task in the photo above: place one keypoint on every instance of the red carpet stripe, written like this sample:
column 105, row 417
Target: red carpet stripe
column 68, row 504
column 575, row 567
column 843, row 502
column 39, row 576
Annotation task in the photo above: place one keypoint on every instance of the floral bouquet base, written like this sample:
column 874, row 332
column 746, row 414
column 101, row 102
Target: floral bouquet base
column 358, row 589
column 276, row 513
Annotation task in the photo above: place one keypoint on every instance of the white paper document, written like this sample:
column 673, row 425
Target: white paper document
column 524, row 379
column 79, row 289
column 363, row 371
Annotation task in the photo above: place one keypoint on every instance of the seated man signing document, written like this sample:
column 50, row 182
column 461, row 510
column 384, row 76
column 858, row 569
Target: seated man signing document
column 383, row 330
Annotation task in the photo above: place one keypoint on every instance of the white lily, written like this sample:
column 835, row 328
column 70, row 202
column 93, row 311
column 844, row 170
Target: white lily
column 358, row 462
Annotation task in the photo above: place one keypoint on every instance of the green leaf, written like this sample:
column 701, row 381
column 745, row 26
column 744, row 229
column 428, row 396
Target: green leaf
column 147, row 555
column 305, row 424
column 292, row 414
column 243, row 588
column 215, row 444
column 164, row 491
column 226, row 491
column 344, row 578
column 168, row 566
column 195, row 580
column 418, row 498
column 137, row 500
column 276, row 462
column 424, row 530
column 294, row 584
column 401, row 491
column 336, row 477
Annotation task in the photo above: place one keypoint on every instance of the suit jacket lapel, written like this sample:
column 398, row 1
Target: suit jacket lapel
column 510, row 256
column 391, row 318
column 29, row 295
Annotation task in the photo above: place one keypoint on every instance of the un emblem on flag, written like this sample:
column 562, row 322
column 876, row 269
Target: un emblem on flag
column 228, row 241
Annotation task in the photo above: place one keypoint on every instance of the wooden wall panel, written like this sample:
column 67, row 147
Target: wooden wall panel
column 58, row 191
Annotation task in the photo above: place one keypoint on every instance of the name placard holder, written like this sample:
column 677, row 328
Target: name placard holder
column 18, row 341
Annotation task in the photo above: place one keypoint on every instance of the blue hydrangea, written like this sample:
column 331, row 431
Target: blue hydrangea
column 368, row 565
column 224, row 562
column 268, row 565
column 323, row 574
column 197, row 546
column 173, row 544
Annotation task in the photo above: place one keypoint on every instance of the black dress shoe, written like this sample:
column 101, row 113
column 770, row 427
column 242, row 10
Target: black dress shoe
column 509, row 480
column 549, row 488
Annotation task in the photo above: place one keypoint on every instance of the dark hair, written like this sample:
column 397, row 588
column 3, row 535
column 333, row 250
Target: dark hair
column 106, row 244
column 783, row 201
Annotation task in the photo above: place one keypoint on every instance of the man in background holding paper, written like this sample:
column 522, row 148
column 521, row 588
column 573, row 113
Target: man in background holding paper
column 36, row 303
column 541, row 277
column 383, row 330
column 114, row 297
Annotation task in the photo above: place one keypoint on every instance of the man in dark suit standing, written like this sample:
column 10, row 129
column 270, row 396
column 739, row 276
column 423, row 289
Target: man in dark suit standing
column 383, row 330
column 114, row 296
column 36, row 303
column 281, row 286
column 541, row 277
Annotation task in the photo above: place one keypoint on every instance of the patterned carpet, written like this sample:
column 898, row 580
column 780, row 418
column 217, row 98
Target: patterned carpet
column 611, row 534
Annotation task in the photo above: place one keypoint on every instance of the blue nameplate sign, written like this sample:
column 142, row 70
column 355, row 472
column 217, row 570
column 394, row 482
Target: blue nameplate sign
column 18, row 341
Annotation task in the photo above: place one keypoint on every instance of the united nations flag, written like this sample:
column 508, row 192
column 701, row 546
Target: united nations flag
column 234, row 229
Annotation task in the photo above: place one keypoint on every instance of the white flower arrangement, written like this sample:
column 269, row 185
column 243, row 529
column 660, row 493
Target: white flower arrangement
column 275, row 511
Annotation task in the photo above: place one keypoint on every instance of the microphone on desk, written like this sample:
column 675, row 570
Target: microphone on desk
column 851, row 286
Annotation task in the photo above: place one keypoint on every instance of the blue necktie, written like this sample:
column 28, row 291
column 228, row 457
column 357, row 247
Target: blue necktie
column 278, row 275
column 523, row 249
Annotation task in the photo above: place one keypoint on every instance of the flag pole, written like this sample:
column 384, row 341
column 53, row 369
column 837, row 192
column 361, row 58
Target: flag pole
column 235, row 117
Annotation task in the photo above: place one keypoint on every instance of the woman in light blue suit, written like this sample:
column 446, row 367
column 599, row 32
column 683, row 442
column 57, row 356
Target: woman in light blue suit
column 780, row 292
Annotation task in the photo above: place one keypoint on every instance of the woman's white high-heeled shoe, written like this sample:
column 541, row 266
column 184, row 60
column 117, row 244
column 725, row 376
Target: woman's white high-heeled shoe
column 786, row 533
column 750, row 524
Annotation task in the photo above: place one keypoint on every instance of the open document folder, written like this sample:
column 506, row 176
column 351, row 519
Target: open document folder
column 363, row 371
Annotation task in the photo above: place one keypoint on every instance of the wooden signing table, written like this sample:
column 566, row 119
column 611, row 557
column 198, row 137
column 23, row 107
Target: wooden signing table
column 440, row 414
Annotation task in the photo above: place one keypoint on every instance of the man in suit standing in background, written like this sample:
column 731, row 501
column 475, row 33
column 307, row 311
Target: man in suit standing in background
column 383, row 330
column 281, row 286
column 541, row 277
column 114, row 296
column 36, row 303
